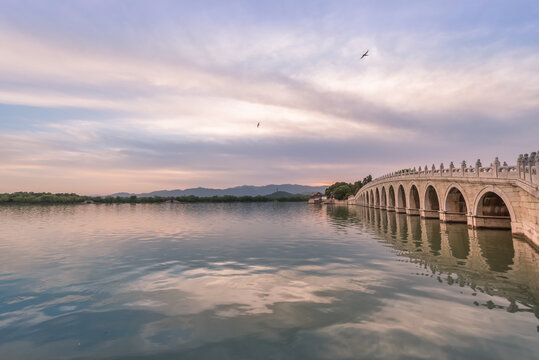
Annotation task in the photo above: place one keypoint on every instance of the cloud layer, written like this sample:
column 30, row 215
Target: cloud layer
column 128, row 96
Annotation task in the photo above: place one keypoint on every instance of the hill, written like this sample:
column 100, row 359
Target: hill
column 280, row 194
column 245, row 190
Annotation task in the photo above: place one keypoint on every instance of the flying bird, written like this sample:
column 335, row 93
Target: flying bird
column 258, row 125
column 366, row 54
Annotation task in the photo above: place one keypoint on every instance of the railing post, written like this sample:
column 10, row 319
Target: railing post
column 477, row 166
column 451, row 167
column 496, row 166
column 442, row 169
column 427, row 170
column 531, row 164
column 463, row 167
column 537, row 167
column 525, row 165
column 519, row 166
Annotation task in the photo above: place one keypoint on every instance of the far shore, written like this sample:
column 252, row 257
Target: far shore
column 65, row 198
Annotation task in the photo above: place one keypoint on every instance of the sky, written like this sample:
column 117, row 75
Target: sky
column 99, row 97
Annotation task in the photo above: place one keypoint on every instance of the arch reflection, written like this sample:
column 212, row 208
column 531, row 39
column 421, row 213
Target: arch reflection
column 485, row 259
column 459, row 240
column 497, row 249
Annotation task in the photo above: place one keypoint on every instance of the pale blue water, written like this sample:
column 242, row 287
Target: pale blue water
column 260, row 281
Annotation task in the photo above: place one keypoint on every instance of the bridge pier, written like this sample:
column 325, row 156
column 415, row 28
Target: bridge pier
column 413, row 212
column 429, row 214
column 491, row 222
column 454, row 217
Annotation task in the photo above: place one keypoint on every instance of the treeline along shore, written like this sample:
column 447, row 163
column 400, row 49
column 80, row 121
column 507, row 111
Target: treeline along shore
column 64, row 198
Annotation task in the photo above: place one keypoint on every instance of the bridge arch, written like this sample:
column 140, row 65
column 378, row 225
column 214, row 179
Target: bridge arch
column 431, row 202
column 367, row 197
column 373, row 202
column 455, row 200
column 377, row 197
column 401, row 197
column 391, row 197
column 413, row 197
column 455, row 204
column 492, row 208
column 384, row 197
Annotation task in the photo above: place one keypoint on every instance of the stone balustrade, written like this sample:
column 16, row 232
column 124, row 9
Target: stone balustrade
column 526, row 170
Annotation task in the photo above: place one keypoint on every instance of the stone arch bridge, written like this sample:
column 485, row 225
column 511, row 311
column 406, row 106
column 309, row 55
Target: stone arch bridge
column 496, row 196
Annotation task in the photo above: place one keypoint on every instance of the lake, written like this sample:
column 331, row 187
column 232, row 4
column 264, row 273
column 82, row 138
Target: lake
column 260, row 281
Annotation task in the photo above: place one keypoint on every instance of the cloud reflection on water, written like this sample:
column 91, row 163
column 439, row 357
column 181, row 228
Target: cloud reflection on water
column 252, row 289
column 277, row 281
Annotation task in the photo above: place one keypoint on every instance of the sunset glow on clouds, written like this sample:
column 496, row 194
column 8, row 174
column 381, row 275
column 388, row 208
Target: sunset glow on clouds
column 106, row 96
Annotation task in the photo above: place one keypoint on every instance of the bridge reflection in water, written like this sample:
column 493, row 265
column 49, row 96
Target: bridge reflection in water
column 486, row 260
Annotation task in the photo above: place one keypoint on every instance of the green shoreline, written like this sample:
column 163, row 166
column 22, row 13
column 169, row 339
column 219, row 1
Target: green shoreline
column 64, row 198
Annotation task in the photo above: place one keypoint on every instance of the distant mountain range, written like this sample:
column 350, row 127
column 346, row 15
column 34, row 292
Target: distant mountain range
column 245, row 190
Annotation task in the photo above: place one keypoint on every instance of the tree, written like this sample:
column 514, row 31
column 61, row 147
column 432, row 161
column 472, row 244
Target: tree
column 342, row 190
column 366, row 180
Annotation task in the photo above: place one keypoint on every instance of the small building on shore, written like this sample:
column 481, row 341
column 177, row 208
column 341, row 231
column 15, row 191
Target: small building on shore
column 317, row 198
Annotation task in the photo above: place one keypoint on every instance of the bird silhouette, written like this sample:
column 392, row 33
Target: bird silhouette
column 366, row 54
column 258, row 125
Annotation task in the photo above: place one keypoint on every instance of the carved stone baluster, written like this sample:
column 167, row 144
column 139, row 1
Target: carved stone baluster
column 537, row 167
column 531, row 163
column 525, row 165
column 496, row 166
column 477, row 166
column 519, row 166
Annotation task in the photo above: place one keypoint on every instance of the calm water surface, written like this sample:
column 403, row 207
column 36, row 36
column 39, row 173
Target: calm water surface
column 260, row 281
